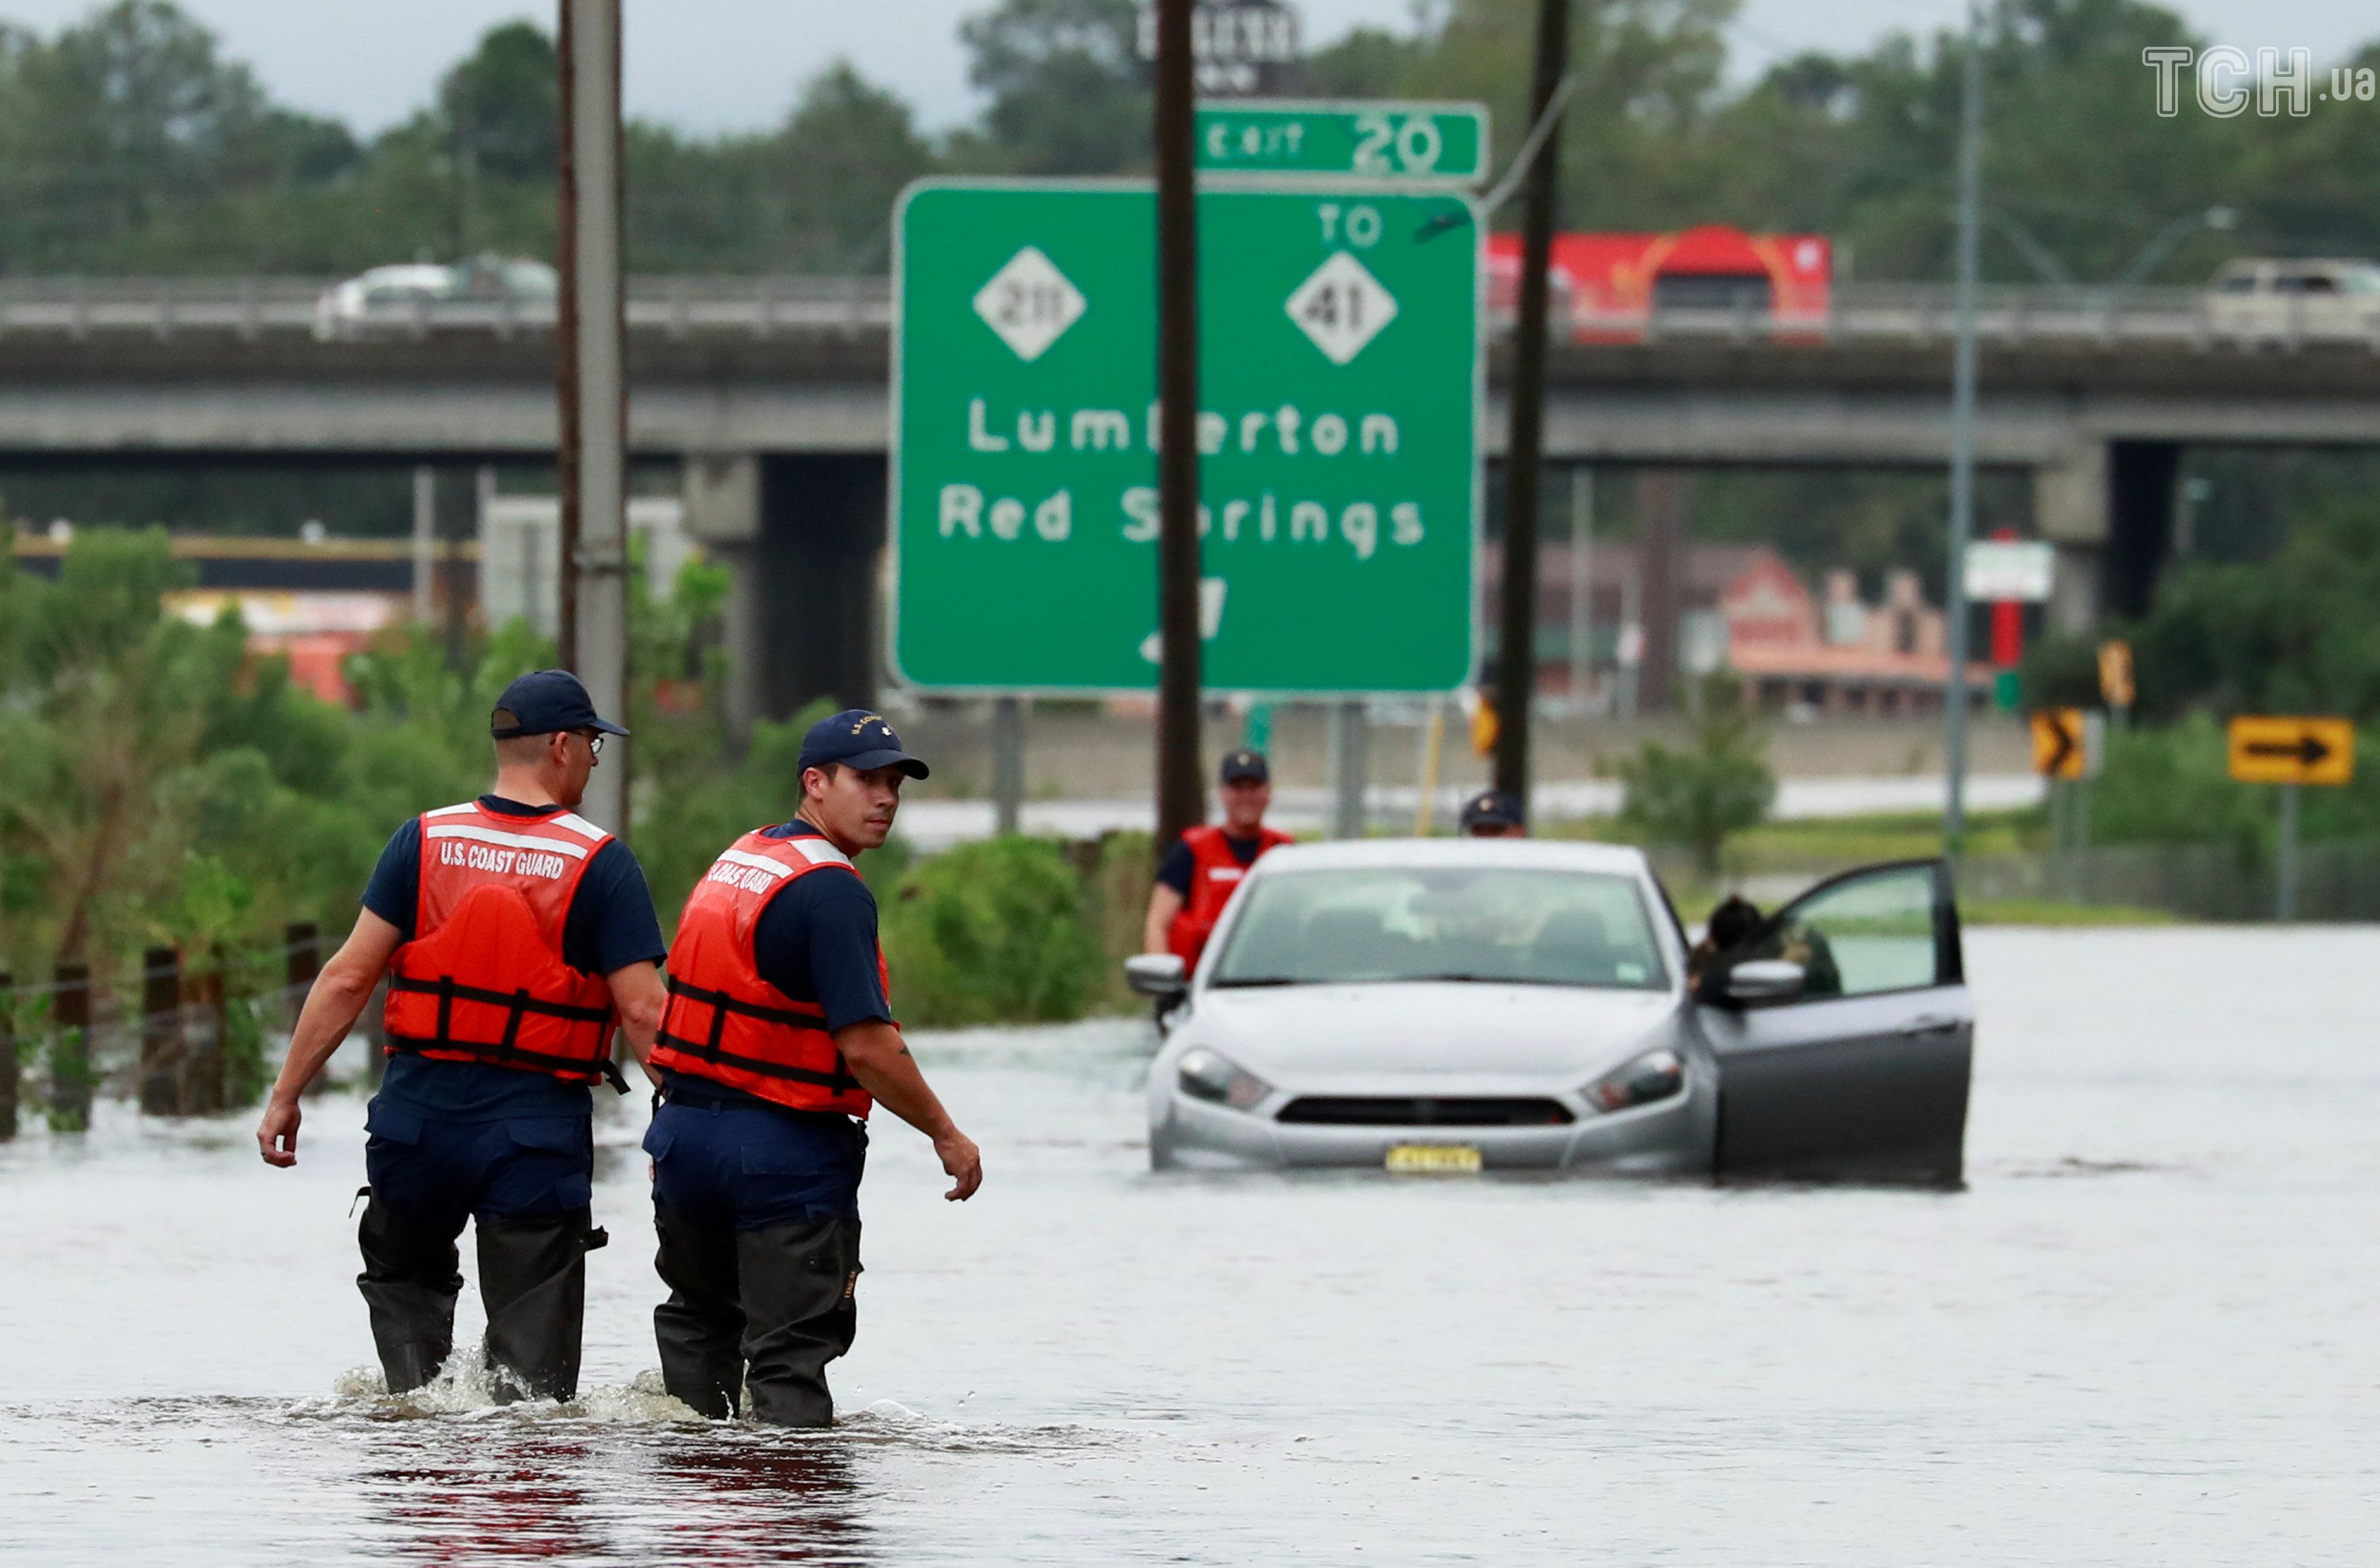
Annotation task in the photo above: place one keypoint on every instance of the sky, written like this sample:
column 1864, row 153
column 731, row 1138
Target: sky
column 707, row 66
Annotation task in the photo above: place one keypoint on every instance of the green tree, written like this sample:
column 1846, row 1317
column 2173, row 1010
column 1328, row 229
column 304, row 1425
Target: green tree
column 97, row 748
column 1066, row 91
column 1722, row 783
column 128, row 141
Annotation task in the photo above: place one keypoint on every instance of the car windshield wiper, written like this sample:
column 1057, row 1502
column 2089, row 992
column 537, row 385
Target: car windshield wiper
column 1463, row 980
column 1235, row 980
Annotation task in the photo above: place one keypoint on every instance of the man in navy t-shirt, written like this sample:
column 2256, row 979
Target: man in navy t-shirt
column 777, row 1036
column 515, row 935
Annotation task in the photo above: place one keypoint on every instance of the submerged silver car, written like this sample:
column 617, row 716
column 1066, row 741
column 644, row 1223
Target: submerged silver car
column 1464, row 1005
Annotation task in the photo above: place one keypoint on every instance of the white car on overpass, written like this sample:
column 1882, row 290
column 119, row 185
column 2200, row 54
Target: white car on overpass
column 486, row 290
column 1463, row 1004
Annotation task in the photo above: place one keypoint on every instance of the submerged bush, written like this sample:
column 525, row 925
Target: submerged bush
column 992, row 932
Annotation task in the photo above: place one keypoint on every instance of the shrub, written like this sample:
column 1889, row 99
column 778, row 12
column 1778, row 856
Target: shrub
column 992, row 932
column 1718, row 786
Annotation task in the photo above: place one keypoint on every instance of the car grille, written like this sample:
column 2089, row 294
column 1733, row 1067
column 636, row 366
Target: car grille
column 1416, row 1112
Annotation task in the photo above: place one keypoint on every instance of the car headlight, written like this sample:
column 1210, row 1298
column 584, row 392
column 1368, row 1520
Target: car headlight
column 1657, row 1074
column 1205, row 1075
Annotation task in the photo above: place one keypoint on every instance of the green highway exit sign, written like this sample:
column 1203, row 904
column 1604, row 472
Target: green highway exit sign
column 1339, row 393
column 1287, row 139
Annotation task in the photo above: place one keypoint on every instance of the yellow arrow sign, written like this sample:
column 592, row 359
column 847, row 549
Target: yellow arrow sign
column 2292, row 750
column 2062, row 745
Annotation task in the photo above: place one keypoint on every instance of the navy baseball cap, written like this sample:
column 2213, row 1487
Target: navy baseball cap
column 1243, row 767
column 1491, row 809
column 856, row 738
column 544, row 701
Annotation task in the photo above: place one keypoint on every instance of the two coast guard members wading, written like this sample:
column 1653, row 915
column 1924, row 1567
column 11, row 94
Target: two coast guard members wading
column 516, row 936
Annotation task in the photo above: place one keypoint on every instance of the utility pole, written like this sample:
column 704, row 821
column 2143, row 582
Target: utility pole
column 1582, row 587
column 1516, row 661
column 425, row 542
column 592, row 385
column 1962, row 436
column 1181, row 792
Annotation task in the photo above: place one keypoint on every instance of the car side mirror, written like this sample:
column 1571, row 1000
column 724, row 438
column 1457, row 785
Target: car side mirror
column 1159, row 975
column 1765, row 980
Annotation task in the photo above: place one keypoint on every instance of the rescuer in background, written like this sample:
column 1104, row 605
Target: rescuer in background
column 516, row 935
column 1201, row 872
column 778, row 1035
column 1491, row 813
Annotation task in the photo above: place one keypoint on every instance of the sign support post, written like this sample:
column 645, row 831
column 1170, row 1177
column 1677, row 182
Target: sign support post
column 2286, row 861
column 1181, row 793
column 1349, row 769
column 1007, row 763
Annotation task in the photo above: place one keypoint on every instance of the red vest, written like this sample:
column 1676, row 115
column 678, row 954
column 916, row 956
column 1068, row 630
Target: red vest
column 483, row 978
column 1215, row 874
column 725, row 1021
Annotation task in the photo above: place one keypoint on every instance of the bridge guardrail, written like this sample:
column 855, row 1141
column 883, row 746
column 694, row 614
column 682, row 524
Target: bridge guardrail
column 1881, row 314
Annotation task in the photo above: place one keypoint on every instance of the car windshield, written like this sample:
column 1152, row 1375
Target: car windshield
column 1497, row 925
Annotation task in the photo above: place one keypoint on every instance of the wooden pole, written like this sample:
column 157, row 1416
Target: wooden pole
column 163, row 1091
column 1517, row 657
column 70, row 1050
column 1181, row 783
column 594, row 396
column 8, row 1056
column 565, row 351
column 302, row 944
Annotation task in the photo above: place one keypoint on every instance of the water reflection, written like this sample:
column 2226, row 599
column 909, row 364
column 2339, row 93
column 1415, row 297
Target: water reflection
column 449, row 1491
column 759, row 1497
column 468, row 1496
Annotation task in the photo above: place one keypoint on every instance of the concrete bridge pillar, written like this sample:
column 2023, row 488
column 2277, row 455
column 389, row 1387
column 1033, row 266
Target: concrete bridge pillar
column 2107, row 506
column 2070, row 510
column 822, row 552
column 2142, row 481
column 723, row 510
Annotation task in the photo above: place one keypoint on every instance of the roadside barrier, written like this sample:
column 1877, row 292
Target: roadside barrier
column 190, row 1042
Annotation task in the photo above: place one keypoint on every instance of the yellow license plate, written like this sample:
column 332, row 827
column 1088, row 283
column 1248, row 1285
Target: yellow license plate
column 1434, row 1158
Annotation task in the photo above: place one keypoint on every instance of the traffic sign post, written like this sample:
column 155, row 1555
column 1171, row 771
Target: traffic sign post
column 2291, row 752
column 1339, row 373
column 2069, row 750
column 1281, row 139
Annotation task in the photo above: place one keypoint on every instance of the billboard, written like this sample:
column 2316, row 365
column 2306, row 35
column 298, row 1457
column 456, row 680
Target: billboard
column 1606, row 286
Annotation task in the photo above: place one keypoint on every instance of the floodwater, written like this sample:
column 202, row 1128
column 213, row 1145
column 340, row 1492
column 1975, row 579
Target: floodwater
column 2143, row 1334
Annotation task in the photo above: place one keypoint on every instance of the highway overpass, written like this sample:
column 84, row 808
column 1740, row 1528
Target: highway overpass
column 773, row 393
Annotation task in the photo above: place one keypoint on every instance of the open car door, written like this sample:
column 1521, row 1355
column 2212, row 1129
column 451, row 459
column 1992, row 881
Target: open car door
column 1858, row 1069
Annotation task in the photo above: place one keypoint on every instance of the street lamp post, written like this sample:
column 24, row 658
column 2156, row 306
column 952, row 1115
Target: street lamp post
column 1962, row 436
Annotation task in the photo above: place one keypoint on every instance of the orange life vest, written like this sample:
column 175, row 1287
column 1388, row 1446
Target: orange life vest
column 1215, row 874
column 725, row 1023
column 483, row 978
